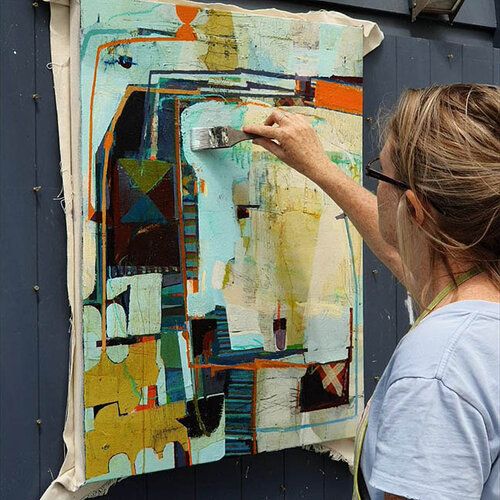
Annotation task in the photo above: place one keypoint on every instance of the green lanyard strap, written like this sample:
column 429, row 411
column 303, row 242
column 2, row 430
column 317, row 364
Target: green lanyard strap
column 461, row 278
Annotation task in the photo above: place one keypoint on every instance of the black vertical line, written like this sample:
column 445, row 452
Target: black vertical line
column 492, row 74
column 195, row 479
column 462, row 63
column 283, row 484
column 241, row 477
column 430, row 64
column 240, row 466
column 324, row 470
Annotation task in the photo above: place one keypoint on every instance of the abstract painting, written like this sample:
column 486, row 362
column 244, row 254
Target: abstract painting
column 221, row 290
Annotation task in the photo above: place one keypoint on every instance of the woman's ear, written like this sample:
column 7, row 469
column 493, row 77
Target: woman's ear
column 415, row 207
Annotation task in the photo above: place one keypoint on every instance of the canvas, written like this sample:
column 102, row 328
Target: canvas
column 221, row 290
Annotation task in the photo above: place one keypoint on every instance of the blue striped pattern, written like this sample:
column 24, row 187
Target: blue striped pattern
column 239, row 412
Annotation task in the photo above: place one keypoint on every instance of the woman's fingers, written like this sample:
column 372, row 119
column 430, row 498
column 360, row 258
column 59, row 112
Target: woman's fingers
column 271, row 146
column 276, row 117
column 263, row 131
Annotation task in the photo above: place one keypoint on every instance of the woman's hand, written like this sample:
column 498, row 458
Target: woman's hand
column 293, row 140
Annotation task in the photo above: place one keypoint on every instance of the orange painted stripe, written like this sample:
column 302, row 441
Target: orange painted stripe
column 257, row 364
column 338, row 97
column 190, row 453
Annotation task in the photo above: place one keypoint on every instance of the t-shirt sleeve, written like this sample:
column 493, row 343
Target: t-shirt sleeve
column 431, row 443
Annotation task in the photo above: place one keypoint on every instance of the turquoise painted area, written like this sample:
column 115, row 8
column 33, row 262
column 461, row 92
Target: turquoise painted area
column 343, row 50
column 117, row 353
column 217, row 224
column 245, row 341
column 91, row 335
column 125, row 15
column 269, row 39
column 212, row 452
column 147, row 460
column 326, row 338
column 119, row 466
column 161, row 381
column 89, row 419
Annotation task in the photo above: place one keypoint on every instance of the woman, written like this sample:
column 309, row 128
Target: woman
column 432, row 427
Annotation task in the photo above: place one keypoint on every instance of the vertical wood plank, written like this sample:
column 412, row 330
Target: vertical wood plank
column 304, row 474
column 379, row 96
column 446, row 62
column 19, row 439
column 131, row 488
column 338, row 480
column 496, row 66
column 263, row 476
column 53, row 319
column 413, row 63
column 177, row 483
column 379, row 292
column 219, row 480
column 477, row 64
column 413, row 71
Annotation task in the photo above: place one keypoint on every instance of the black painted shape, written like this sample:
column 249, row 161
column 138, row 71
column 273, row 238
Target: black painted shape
column 313, row 396
column 125, row 61
column 128, row 128
column 202, row 335
column 204, row 419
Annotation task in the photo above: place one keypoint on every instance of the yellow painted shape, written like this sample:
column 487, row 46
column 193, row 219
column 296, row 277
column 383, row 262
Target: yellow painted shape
column 222, row 49
column 108, row 382
column 131, row 433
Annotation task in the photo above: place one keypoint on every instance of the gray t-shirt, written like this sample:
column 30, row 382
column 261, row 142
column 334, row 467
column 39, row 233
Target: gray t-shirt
column 433, row 429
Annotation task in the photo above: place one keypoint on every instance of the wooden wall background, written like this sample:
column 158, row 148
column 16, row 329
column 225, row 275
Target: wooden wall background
column 34, row 314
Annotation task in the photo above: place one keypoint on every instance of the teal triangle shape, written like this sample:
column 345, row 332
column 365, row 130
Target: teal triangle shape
column 144, row 211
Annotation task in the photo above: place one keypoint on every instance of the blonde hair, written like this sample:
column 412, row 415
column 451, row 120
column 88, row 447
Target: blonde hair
column 444, row 142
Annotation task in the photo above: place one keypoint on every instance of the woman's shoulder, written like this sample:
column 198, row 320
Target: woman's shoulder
column 460, row 328
column 458, row 344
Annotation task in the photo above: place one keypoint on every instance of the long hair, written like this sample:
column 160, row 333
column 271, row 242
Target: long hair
column 444, row 142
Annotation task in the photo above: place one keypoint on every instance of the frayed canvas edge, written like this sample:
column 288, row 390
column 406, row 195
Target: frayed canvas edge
column 338, row 451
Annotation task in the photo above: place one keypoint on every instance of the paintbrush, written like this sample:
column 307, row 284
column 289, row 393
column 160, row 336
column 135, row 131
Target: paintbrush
column 217, row 137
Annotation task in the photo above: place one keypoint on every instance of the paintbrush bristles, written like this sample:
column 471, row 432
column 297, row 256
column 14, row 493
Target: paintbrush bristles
column 216, row 138
column 209, row 138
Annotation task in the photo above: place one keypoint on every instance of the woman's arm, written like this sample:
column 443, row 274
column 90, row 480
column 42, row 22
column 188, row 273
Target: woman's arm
column 299, row 146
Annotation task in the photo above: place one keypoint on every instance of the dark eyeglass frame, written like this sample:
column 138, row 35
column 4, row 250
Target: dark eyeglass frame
column 375, row 174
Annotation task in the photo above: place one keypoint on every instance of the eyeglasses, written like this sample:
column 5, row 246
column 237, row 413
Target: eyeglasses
column 375, row 173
